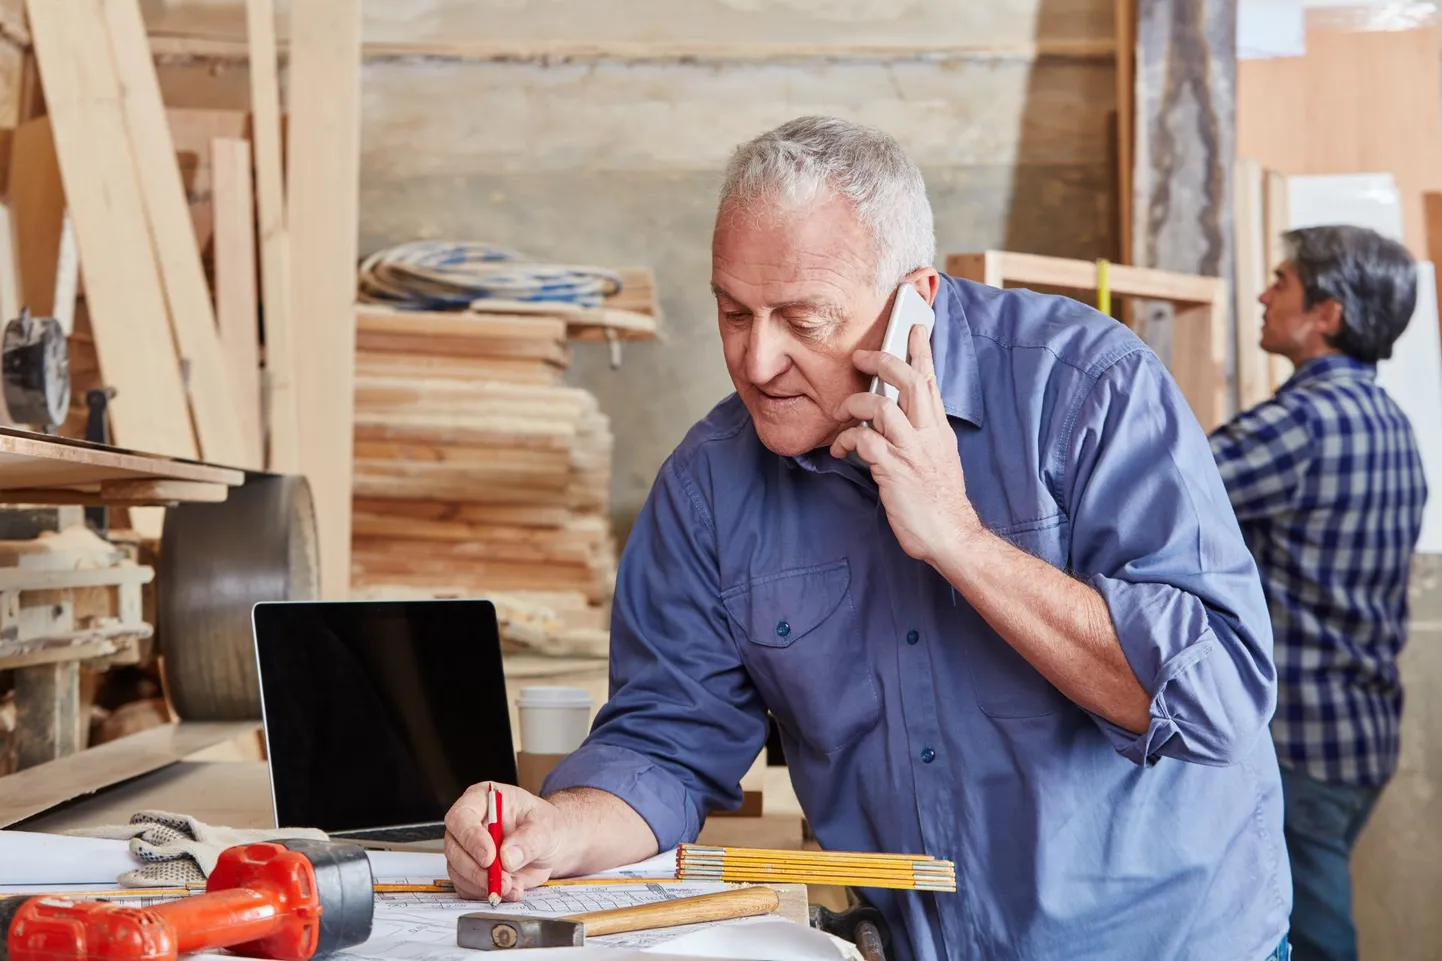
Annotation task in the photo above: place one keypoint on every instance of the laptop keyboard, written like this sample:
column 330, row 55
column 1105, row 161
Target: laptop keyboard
column 410, row 832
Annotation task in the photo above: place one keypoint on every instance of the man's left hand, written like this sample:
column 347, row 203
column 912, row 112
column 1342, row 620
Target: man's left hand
column 912, row 451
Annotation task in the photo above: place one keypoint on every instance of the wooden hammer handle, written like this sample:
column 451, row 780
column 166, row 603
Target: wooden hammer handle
column 741, row 903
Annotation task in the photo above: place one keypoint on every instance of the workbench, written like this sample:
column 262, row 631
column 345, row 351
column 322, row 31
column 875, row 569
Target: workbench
column 221, row 786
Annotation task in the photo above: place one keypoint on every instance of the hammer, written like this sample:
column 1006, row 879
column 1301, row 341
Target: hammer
column 491, row 932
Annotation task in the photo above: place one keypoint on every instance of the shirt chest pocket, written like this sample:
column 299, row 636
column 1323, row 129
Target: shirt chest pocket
column 800, row 637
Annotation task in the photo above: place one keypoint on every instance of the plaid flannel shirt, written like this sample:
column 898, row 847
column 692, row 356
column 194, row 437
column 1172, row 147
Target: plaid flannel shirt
column 1327, row 484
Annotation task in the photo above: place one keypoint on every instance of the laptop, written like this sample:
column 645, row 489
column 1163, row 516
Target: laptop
column 379, row 714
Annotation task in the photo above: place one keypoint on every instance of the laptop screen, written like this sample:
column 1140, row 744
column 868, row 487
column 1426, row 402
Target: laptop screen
column 380, row 713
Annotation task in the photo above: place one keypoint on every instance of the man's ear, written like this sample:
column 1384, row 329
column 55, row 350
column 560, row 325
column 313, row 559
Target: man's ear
column 1329, row 318
column 926, row 281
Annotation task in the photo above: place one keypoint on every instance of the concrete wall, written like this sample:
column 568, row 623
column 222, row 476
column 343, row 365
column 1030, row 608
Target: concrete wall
column 618, row 163
column 612, row 153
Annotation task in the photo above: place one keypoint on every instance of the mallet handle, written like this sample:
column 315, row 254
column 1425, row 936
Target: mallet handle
column 721, row 906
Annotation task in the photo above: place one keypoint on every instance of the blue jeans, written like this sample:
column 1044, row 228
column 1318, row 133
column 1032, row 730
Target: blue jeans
column 1321, row 822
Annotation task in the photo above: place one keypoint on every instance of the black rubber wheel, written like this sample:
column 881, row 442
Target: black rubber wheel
column 216, row 562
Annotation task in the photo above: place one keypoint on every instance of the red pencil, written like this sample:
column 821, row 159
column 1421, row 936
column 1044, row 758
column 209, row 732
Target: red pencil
column 493, row 824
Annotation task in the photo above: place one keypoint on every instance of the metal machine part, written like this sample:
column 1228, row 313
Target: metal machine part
column 35, row 371
column 861, row 924
column 217, row 560
column 491, row 932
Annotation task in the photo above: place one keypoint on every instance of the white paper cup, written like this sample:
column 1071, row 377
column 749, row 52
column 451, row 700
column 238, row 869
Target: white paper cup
column 554, row 720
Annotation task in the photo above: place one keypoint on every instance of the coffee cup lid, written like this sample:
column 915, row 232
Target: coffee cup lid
column 541, row 696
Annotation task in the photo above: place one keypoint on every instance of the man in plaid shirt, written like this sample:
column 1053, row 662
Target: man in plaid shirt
column 1326, row 482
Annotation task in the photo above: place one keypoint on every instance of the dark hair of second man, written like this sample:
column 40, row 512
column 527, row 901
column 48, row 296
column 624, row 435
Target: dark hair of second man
column 1372, row 278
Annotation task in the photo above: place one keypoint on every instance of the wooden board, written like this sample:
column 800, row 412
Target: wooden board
column 235, row 300
column 996, row 267
column 1275, row 221
column 322, row 218
column 37, row 211
column 1360, row 100
column 193, row 131
column 1199, row 340
column 47, row 722
column 233, row 793
column 36, row 460
column 1125, row 12
column 122, row 278
column 1254, row 378
column 40, row 788
column 283, row 452
column 192, row 317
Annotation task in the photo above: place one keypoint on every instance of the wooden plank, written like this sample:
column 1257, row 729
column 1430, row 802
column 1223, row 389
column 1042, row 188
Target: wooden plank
column 1199, row 340
column 37, row 210
column 235, row 300
column 1125, row 12
column 165, row 491
column 122, row 279
column 37, row 460
column 192, row 317
column 1199, row 360
column 581, row 322
column 234, row 792
column 1275, row 221
column 322, row 217
column 1081, row 275
column 45, row 786
column 193, row 132
column 9, row 274
column 47, row 703
column 67, row 278
column 283, row 454
column 1254, row 379
column 24, row 579
column 75, row 647
column 647, row 51
column 1380, row 92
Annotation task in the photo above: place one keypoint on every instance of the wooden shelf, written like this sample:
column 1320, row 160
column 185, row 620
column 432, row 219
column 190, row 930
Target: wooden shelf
column 1199, row 334
column 39, row 468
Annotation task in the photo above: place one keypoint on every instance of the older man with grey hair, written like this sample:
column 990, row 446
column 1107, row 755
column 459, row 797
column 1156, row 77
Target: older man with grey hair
column 1024, row 634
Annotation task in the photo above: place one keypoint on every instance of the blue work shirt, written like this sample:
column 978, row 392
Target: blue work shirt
column 755, row 582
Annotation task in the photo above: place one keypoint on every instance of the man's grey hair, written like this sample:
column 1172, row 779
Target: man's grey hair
column 796, row 163
column 1371, row 277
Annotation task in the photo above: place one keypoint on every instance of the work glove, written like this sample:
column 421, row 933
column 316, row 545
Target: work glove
column 178, row 850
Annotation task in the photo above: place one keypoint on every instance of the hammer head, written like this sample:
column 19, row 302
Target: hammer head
column 499, row 932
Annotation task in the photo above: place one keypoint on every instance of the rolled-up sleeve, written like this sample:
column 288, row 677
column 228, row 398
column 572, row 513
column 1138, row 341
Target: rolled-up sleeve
column 683, row 722
column 1154, row 534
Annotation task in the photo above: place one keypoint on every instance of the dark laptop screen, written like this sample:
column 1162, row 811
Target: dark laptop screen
column 380, row 713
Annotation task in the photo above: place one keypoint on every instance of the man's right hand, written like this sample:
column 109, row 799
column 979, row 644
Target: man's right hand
column 533, row 841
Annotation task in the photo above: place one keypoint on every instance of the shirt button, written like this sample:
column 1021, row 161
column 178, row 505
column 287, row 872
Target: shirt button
column 927, row 755
column 912, row 637
column 782, row 628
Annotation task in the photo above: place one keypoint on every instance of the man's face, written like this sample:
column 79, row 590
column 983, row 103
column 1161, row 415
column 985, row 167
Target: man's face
column 795, row 297
column 1288, row 327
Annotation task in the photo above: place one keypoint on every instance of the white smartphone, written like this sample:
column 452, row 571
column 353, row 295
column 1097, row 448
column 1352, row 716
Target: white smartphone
column 907, row 311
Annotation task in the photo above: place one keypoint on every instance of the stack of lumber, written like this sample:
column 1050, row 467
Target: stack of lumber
column 144, row 228
column 479, row 473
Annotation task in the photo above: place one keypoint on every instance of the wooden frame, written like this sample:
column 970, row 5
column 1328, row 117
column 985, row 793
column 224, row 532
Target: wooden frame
column 1199, row 333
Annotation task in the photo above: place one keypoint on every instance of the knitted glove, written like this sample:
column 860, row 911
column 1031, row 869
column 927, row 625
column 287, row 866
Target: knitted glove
column 178, row 850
